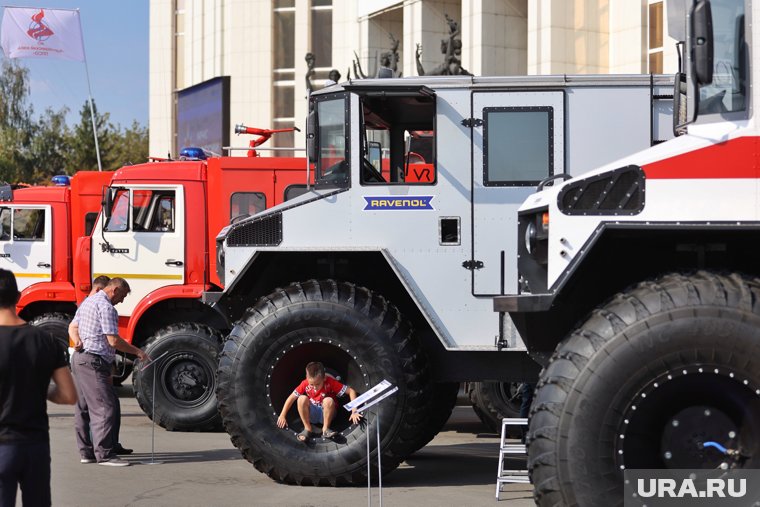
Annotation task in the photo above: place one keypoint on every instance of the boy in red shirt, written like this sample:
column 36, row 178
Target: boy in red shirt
column 316, row 402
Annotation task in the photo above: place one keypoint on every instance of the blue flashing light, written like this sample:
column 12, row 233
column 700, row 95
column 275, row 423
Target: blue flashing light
column 61, row 180
column 192, row 153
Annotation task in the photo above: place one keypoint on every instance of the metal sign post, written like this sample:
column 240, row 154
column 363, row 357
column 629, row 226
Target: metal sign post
column 153, row 411
column 369, row 399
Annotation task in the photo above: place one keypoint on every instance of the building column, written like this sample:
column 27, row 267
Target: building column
column 425, row 23
column 162, row 75
column 494, row 37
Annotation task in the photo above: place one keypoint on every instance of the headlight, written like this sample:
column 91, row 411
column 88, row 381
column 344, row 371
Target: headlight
column 537, row 236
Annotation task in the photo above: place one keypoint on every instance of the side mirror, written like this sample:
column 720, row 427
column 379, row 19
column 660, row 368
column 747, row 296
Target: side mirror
column 107, row 203
column 311, row 137
column 702, row 42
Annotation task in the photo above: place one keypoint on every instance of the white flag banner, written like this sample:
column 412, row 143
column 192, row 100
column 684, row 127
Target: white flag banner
column 41, row 33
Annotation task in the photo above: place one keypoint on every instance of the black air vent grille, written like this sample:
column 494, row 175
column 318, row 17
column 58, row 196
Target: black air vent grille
column 264, row 231
column 619, row 192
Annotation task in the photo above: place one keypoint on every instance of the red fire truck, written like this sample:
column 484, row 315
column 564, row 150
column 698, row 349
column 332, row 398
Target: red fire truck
column 39, row 225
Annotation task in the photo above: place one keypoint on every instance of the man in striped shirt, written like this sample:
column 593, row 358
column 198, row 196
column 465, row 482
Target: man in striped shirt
column 97, row 325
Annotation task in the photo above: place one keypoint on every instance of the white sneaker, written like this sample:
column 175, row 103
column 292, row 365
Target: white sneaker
column 115, row 462
column 87, row 460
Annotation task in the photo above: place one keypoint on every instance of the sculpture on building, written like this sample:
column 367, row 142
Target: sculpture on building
column 310, row 72
column 452, row 51
column 388, row 62
column 332, row 78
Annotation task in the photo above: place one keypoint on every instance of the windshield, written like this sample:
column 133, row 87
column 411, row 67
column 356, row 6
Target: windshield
column 332, row 156
column 727, row 92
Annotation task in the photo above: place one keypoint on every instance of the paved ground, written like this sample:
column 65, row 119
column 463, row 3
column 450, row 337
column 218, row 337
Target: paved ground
column 458, row 468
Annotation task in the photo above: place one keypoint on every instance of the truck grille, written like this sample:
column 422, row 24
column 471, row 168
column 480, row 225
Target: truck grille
column 263, row 231
column 619, row 192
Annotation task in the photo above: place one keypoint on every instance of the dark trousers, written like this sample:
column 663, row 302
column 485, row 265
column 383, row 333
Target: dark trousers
column 27, row 465
column 97, row 408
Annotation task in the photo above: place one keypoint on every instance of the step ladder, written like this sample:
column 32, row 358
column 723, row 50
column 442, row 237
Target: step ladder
column 506, row 450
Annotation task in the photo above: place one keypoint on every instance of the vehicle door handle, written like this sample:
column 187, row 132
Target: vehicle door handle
column 43, row 265
column 172, row 262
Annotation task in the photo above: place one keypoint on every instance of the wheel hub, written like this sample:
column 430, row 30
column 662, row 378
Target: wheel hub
column 696, row 417
column 185, row 379
column 685, row 435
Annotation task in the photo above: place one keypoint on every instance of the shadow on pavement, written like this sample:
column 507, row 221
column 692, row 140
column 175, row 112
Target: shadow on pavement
column 186, row 457
column 458, row 465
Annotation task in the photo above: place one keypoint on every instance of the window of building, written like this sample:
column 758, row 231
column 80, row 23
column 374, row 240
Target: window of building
column 656, row 30
column 518, row 146
column 283, row 83
column 321, row 32
column 179, row 44
column 245, row 204
column 29, row 224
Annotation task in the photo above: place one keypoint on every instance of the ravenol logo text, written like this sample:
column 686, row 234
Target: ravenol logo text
column 389, row 202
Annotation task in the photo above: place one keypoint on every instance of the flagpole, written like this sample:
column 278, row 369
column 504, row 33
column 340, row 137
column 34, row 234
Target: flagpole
column 89, row 91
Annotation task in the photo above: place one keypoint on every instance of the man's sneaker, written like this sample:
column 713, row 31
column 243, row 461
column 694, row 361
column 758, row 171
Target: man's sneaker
column 120, row 449
column 114, row 462
column 87, row 460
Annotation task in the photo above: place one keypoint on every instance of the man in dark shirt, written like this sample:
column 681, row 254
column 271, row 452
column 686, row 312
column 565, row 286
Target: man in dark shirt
column 29, row 358
column 97, row 325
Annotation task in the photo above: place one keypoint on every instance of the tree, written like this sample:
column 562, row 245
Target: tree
column 15, row 110
column 50, row 146
column 82, row 155
column 132, row 145
column 32, row 151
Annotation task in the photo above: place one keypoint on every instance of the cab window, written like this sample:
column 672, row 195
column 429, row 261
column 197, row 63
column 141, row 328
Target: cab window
column 398, row 140
column 119, row 220
column 294, row 191
column 153, row 210
column 332, row 143
column 245, row 204
column 5, row 224
column 518, row 146
column 29, row 224
column 728, row 90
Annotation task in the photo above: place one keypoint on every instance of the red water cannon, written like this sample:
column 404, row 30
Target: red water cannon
column 264, row 135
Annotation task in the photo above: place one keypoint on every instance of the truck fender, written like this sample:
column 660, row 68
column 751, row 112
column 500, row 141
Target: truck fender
column 46, row 291
column 187, row 291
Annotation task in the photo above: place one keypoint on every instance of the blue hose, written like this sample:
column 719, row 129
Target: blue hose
column 716, row 445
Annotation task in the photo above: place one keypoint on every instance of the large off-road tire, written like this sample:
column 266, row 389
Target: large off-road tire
column 357, row 335
column 57, row 324
column 493, row 401
column 649, row 377
column 185, row 378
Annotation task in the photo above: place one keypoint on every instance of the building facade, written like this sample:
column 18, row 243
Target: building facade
column 216, row 63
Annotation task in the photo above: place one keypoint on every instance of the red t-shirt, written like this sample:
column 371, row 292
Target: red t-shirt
column 331, row 388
